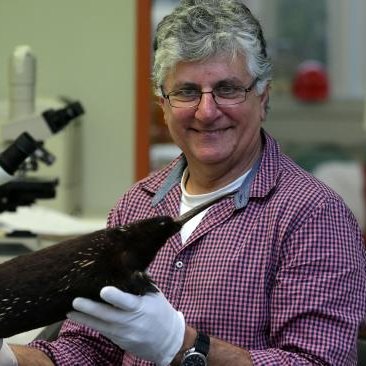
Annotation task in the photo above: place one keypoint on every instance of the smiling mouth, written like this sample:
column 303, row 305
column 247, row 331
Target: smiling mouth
column 212, row 133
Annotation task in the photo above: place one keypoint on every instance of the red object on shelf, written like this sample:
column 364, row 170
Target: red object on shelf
column 311, row 83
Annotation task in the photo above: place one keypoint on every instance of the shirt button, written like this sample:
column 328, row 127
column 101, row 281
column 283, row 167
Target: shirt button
column 179, row 264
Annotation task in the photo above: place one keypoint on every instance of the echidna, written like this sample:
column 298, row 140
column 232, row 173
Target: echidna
column 37, row 289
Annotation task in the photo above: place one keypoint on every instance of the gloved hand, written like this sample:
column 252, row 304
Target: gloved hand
column 147, row 326
column 7, row 357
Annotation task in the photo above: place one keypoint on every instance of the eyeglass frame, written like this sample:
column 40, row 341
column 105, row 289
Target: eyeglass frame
column 246, row 90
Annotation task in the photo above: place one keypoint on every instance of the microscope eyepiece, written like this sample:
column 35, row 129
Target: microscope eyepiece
column 57, row 120
column 14, row 155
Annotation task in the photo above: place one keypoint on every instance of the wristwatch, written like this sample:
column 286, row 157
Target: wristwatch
column 197, row 355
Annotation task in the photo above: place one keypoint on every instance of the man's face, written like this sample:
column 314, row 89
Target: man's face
column 211, row 134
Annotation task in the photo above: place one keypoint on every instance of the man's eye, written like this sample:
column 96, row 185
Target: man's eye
column 229, row 91
column 185, row 93
column 226, row 90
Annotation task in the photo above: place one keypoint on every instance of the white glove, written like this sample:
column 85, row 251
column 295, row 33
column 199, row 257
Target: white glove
column 147, row 326
column 7, row 357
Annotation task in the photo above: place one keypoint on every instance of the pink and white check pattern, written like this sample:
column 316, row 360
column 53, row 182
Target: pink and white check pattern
column 285, row 277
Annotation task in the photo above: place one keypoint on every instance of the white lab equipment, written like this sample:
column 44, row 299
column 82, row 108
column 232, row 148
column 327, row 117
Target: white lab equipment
column 22, row 82
column 43, row 117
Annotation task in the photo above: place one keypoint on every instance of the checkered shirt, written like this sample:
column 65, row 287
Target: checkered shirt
column 283, row 277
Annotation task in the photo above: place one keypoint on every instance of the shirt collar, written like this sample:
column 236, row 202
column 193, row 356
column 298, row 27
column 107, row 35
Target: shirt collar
column 241, row 197
column 173, row 178
column 256, row 185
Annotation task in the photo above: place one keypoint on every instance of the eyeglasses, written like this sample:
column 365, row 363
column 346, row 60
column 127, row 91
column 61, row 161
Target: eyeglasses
column 222, row 95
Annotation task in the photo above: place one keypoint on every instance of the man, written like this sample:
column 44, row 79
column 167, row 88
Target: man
column 274, row 275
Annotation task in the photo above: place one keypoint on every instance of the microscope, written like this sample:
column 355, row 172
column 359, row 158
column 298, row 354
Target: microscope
column 23, row 138
column 23, row 119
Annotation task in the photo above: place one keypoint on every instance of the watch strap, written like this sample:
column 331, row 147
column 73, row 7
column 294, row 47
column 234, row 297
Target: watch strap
column 198, row 353
column 202, row 343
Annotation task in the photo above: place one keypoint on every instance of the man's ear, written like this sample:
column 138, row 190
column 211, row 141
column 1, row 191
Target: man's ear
column 161, row 101
column 162, row 105
column 264, row 103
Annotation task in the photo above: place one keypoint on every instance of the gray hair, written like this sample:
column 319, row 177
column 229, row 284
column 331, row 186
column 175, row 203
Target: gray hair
column 199, row 29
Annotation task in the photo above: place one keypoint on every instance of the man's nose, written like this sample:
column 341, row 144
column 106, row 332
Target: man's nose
column 207, row 109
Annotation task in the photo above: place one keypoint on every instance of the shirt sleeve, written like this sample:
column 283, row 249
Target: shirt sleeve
column 79, row 345
column 318, row 301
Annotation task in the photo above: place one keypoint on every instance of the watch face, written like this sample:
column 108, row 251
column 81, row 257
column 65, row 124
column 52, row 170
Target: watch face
column 194, row 359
